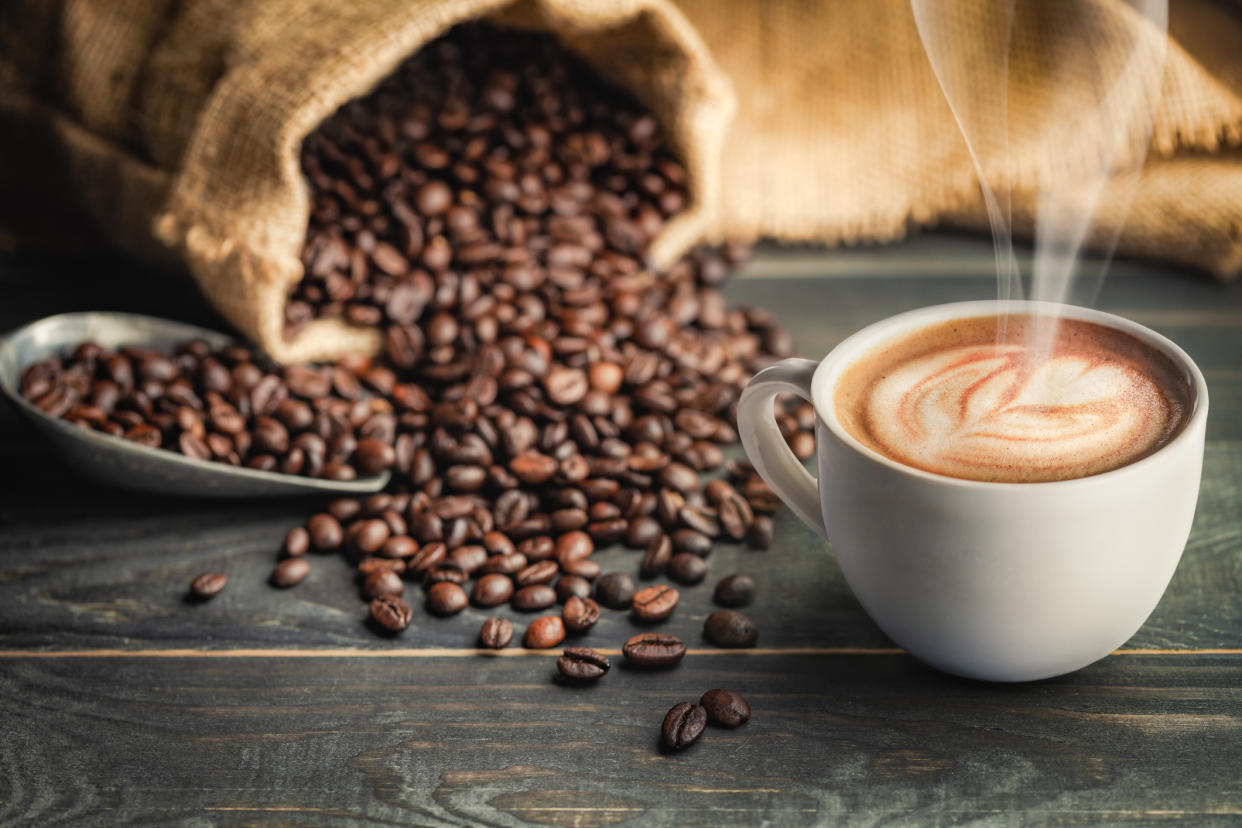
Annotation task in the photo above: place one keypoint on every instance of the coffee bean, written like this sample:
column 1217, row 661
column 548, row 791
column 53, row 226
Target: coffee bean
column 433, row 198
column 615, row 590
column 759, row 535
column 509, row 564
column 736, row 590
column 533, row 468
column 573, row 546
column 688, row 569
column 683, row 725
column 699, row 520
column 469, row 558
column 735, row 516
column 491, row 590
column 803, row 445
column 568, row 586
column 431, row 554
column 446, row 598
column 585, row 568
column 655, row 603
column 390, row 613
column 444, row 573
column 369, row 536
column 368, row 566
column 534, row 597
column 496, row 633
column 325, row 532
column 373, row 456
column 565, row 386
column 642, row 531
column 679, row 477
column 582, row 664
column 726, row 708
column 208, row 585
column 656, row 558
column 381, row 583
column 580, row 613
column 696, row 543
column 542, row 572
column 728, row 628
column 399, row 546
column 297, row 541
column 653, row 650
column 544, row 633
column 290, row 572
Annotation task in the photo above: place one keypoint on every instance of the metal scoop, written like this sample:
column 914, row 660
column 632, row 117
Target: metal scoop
column 124, row 463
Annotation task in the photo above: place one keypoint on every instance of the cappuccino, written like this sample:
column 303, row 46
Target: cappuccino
column 949, row 399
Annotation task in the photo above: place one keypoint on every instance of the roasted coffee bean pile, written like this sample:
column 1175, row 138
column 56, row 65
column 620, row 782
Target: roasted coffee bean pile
column 491, row 182
column 226, row 404
column 542, row 393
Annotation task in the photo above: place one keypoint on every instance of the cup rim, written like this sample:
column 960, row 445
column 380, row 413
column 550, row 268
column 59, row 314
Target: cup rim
column 831, row 367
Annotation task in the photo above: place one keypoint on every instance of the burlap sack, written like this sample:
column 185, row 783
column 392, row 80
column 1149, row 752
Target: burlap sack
column 186, row 118
column 844, row 135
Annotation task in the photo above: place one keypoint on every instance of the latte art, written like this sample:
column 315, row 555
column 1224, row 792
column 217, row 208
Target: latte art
column 977, row 410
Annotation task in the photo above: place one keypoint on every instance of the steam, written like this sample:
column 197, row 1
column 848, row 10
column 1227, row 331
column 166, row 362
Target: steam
column 1096, row 98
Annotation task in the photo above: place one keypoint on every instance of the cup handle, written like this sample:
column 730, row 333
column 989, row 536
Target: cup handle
column 766, row 448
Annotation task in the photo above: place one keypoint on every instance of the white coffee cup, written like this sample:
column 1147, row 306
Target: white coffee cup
column 995, row 581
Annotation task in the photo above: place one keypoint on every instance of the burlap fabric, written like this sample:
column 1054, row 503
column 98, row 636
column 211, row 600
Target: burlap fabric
column 843, row 134
column 183, row 121
column 178, row 123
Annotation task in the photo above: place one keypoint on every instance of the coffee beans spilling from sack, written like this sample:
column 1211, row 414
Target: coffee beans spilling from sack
column 543, row 394
column 490, row 183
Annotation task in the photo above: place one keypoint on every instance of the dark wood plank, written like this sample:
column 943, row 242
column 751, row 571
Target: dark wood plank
column 478, row 741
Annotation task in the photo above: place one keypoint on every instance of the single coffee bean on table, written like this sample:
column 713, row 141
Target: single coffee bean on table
column 580, row 614
column 759, row 535
column 533, row 598
column 726, row 708
column 736, row 590
column 656, row 557
column 729, row 628
column 655, row 603
column 491, row 590
column 496, row 633
column 382, row 582
column 297, row 542
column 683, row 725
column 653, row 650
column 687, row 569
column 569, row 586
column 582, row 665
column 446, row 598
column 544, row 632
column 390, row 613
column 208, row 585
column 290, row 572
column 615, row 590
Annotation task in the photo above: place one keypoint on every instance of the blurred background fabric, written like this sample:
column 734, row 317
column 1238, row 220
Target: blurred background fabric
column 844, row 135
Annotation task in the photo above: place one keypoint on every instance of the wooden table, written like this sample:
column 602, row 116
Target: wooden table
column 121, row 703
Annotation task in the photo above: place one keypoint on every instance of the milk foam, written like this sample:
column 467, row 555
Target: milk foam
column 982, row 412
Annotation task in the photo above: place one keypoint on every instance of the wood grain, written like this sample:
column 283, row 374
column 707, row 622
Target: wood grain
column 475, row 741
